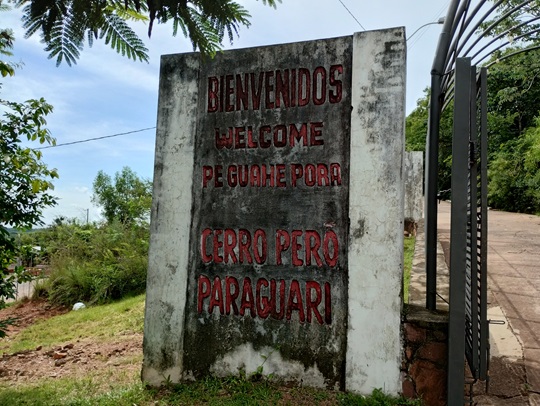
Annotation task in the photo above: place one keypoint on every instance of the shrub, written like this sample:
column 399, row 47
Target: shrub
column 97, row 264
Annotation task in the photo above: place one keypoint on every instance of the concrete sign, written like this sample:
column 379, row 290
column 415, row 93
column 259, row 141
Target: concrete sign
column 254, row 258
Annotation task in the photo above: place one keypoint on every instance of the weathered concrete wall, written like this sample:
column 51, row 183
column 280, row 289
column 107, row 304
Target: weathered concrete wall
column 268, row 265
column 260, row 166
column 413, row 174
column 376, row 211
column 170, row 219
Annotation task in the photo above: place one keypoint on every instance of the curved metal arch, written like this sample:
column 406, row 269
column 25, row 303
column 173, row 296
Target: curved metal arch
column 521, row 51
column 473, row 30
column 459, row 27
column 504, row 44
column 493, row 25
column 460, row 41
column 502, row 35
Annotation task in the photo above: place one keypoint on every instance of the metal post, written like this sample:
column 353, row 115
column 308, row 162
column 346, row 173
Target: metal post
column 472, row 274
column 432, row 156
column 458, row 233
column 430, row 194
column 484, row 328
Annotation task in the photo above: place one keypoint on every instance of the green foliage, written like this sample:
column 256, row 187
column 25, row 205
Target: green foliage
column 97, row 264
column 6, row 43
column 75, row 392
column 127, row 200
column 233, row 390
column 213, row 392
column 513, row 107
column 377, row 398
column 25, row 181
column 515, row 174
column 416, row 125
column 513, row 100
column 513, row 94
column 65, row 25
column 511, row 26
column 408, row 255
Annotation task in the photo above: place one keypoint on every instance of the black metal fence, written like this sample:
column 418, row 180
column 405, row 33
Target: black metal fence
column 468, row 325
column 465, row 42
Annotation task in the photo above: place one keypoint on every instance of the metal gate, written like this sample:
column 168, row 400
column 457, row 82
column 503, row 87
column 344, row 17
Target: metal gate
column 468, row 325
column 465, row 42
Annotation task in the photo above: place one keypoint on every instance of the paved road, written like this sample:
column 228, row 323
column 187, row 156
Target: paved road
column 514, row 283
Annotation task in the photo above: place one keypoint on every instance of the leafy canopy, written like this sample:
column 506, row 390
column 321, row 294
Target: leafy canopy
column 65, row 25
column 513, row 132
column 128, row 199
column 518, row 20
column 25, row 181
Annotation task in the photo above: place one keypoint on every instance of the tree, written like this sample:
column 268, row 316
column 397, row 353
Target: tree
column 6, row 44
column 515, row 174
column 127, row 200
column 514, row 90
column 416, row 125
column 65, row 25
column 25, row 181
column 518, row 22
column 513, row 128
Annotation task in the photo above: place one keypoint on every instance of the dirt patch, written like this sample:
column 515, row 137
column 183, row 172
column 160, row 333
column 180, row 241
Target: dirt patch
column 27, row 312
column 75, row 359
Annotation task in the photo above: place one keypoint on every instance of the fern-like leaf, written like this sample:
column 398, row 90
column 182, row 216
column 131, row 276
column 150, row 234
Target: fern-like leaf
column 127, row 14
column 64, row 43
column 122, row 38
column 64, row 25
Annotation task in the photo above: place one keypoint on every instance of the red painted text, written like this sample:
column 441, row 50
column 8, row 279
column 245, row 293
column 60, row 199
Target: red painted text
column 296, row 247
column 279, row 300
column 275, row 89
column 272, row 175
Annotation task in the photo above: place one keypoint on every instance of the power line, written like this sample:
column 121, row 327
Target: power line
column 343, row 4
column 436, row 16
column 96, row 138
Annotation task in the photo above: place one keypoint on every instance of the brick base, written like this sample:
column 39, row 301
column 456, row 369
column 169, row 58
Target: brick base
column 425, row 352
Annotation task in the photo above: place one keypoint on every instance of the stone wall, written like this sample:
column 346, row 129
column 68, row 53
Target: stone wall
column 425, row 333
column 425, row 352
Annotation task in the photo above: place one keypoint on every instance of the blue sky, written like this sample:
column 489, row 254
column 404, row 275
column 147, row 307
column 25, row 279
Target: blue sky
column 106, row 94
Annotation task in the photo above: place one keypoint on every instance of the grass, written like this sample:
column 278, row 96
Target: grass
column 114, row 387
column 233, row 391
column 70, row 391
column 99, row 322
column 408, row 253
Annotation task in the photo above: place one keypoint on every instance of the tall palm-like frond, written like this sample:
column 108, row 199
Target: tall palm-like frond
column 6, row 44
column 204, row 22
column 65, row 25
column 122, row 38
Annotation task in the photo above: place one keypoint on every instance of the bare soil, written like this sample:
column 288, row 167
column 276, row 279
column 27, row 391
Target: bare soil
column 74, row 359
column 27, row 312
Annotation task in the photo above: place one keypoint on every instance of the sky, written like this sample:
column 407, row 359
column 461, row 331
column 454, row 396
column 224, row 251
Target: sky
column 106, row 94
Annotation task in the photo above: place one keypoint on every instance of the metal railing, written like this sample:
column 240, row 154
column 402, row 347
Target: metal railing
column 467, row 40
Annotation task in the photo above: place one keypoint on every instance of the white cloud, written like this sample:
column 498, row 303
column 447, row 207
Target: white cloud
column 106, row 94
